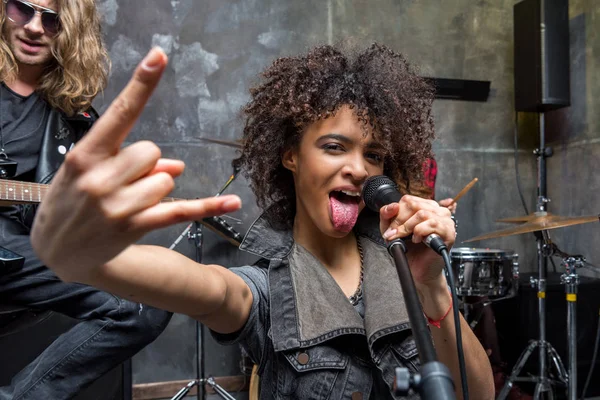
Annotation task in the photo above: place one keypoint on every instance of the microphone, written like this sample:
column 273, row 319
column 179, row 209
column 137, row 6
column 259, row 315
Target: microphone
column 379, row 191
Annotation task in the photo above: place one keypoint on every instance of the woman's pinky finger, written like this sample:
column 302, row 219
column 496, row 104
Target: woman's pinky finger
column 430, row 226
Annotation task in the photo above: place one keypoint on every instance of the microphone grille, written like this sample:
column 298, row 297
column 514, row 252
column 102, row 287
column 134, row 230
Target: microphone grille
column 370, row 188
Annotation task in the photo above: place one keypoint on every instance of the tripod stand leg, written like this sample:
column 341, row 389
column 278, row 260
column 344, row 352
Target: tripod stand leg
column 543, row 386
column 517, row 369
column 538, row 391
column 563, row 376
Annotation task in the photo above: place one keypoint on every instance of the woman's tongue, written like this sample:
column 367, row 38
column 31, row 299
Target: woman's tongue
column 344, row 211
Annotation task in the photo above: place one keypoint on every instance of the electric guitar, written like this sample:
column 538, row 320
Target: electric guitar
column 16, row 192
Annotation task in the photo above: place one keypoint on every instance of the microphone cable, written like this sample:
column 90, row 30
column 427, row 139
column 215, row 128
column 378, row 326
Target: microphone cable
column 459, row 344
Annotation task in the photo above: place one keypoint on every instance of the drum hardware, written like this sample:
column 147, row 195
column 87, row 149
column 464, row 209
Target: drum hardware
column 571, row 280
column 215, row 224
column 223, row 229
column 208, row 381
column 489, row 273
column 468, row 310
column 236, row 221
column 539, row 223
column 220, row 391
column 468, row 307
column 543, row 380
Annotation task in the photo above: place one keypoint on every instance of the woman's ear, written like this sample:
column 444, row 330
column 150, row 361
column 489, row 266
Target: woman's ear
column 289, row 160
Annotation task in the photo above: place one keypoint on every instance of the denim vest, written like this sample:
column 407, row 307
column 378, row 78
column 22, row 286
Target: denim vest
column 305, row 335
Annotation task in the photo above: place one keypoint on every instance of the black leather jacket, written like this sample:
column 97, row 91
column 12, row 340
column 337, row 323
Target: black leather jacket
column 60, row 136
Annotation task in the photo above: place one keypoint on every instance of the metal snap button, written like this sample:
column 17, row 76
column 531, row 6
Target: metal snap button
column 303, row 358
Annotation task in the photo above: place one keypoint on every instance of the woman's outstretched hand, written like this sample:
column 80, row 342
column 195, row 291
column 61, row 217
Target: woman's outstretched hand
column 104, row 198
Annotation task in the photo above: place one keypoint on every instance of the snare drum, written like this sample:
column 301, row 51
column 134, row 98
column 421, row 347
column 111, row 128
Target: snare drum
column 485, row 272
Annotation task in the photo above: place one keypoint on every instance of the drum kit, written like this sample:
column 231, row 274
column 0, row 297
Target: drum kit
column 494, row 275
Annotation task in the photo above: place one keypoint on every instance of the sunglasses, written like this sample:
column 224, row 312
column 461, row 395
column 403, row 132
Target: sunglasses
column 22, row 12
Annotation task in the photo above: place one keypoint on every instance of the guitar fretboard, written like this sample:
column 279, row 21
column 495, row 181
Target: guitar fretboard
column 17, row 192
column 21, row 192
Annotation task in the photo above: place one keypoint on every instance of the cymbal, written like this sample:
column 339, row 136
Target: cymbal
column 540, row 222
column 236, row 144
column 518, row 220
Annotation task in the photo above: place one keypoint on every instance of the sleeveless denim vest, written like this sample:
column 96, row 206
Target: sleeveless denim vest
column 315, row 344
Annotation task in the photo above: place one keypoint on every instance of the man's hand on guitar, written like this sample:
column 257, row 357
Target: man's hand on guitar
column 105, row 198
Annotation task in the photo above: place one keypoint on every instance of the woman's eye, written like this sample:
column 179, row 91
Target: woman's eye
column 333, row 147
column 375, row 157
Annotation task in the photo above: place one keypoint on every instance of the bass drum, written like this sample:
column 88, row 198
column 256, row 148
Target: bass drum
column 492, row 273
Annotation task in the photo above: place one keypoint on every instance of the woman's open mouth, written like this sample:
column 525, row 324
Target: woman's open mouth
column 343, row 208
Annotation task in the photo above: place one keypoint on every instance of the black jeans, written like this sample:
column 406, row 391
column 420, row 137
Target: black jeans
column 111, row 329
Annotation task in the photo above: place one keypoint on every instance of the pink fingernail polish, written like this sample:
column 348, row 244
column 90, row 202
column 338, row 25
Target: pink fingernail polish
column 232, row 204
column 153, row 59
column 389, row 233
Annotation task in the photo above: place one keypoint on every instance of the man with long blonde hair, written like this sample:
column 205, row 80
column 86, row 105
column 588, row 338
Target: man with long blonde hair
column 52, row 65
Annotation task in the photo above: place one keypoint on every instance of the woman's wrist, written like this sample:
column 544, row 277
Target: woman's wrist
column 435, row 298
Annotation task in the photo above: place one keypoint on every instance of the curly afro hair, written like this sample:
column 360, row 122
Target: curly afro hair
column 380, row 86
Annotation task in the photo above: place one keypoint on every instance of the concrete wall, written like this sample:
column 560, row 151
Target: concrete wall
column 217, row 47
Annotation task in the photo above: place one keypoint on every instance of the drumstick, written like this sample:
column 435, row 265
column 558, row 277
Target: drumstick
column 462, row 192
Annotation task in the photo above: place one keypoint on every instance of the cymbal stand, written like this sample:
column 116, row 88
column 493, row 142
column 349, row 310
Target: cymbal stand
column 570, row 279
column 546, row 351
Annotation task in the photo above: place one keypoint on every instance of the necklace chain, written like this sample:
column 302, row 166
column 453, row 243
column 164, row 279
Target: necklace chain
column 358, row 293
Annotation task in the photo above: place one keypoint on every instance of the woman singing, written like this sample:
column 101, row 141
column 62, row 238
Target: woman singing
column 322, row 312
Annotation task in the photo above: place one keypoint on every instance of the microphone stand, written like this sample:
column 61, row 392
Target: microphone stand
column 434, row 381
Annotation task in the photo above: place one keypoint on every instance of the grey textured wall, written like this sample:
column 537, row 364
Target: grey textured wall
column 217, row 47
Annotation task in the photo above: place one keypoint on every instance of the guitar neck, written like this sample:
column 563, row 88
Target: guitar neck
column 17, row 192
